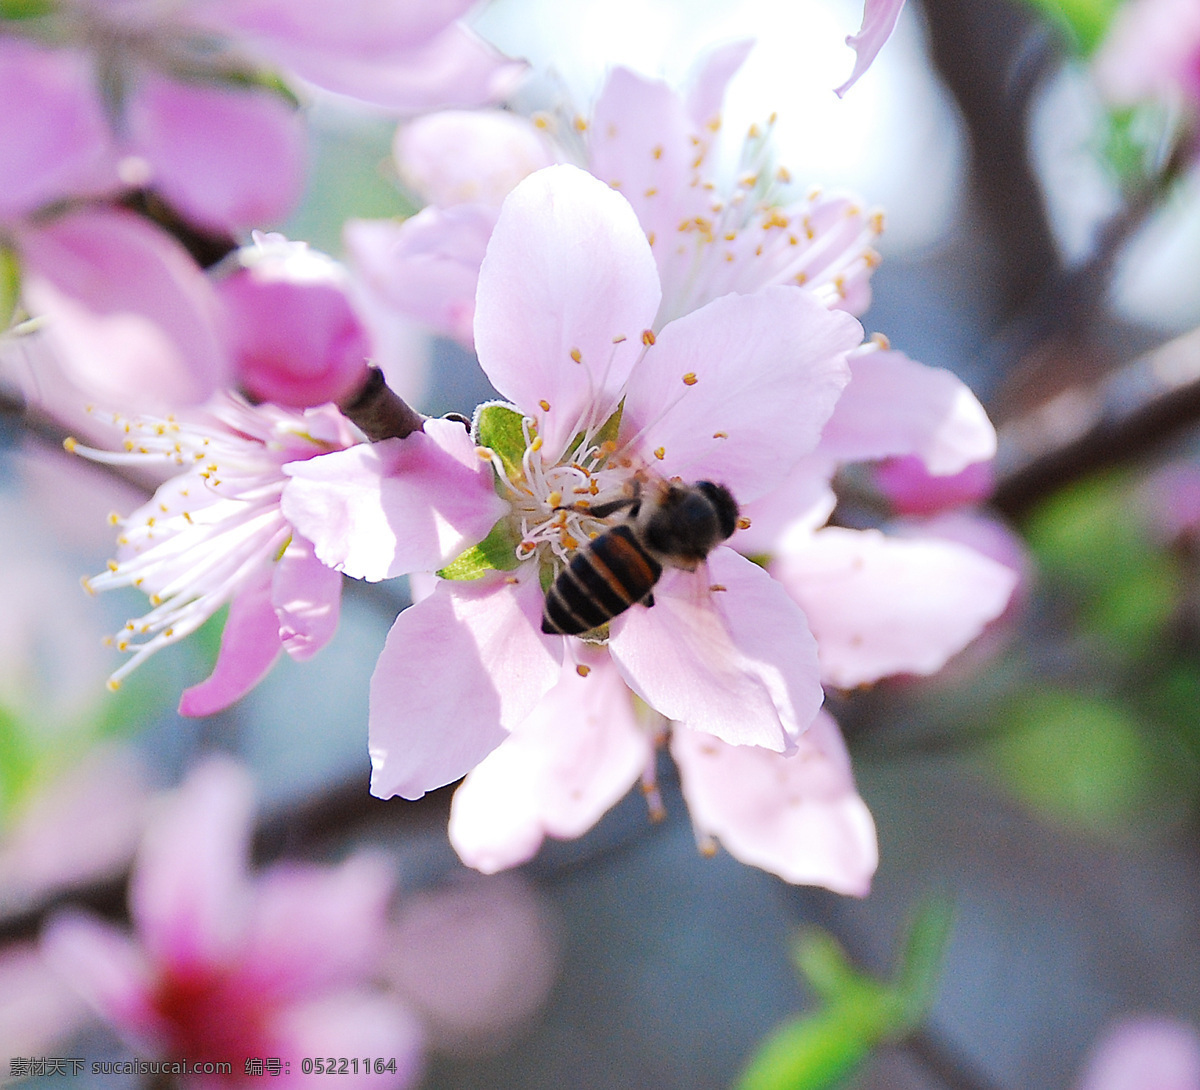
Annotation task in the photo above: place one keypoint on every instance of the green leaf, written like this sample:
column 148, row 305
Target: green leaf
column 824, row 965
column 10, row 286
column 500, row 428
column 809, row 1053
column 916, row 983
column 496, row 552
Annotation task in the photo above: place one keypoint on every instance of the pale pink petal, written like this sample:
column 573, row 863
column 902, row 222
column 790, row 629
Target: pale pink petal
column 459, row 670
column 225, row 158
column 639, row 142
column 189, row 893
column 476, row 958
column 879, row 20
column 801, row 504
column 39, row 1009
column 378, row 510
column 131, row 318
column 709, row 79
column 469, row 156
column 881, row 606
column 250, row 644
column 351, row 28
column 568, row 273
column 312, row 927
column 307, row 598
column 895, row 406
column 54, row 137
column 1150, row 52
column 739, row 391
column 455, row 68
column 738, row 663
column 349, row 1023
column 912, row 490
column 295, row 338
column 426, row 267
column 796, row 816
column 1146, row 1053
column 576, row 754
column 107, row 969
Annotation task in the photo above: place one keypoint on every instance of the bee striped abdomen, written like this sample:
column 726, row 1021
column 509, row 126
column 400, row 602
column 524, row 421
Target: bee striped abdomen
column 603, row 579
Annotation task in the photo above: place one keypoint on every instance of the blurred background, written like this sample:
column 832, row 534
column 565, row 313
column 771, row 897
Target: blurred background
column 1042, row 244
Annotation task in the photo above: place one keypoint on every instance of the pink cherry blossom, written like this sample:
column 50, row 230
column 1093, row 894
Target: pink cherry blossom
column 736, row 392
column 658, row 148
column 1145, row 1053
column 1152, row 51
column 224, row 966
column 879, row 20
column 911, row 489
column 296, row 339
column 219, row 533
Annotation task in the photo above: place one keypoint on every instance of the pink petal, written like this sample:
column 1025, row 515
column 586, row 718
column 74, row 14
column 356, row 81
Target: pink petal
column 307, row 597
column 737, row 663
column 881, row 606
column 353, row 1022
column 640, row 144
column 577, row 753
column 250, row 644
column 1145, row 1053
column 568, row 272
column 459, row 670
column 455, row 68
column 378, row 510
column 54, row 136
column 108, row 970
column 188, row 894
column 764, row 373
column 226, row 159
column 710, row 78
column 426, row 267
column 879, row 20
column 312, row 927
column 801, row 504
column 363, row 28
column 469, row 156
column 895, row 406
column 130, row 317
column 295, row 338
column 797, row 816
column 39, row 1009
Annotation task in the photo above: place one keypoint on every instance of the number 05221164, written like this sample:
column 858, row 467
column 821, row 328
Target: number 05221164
column 340, row 1065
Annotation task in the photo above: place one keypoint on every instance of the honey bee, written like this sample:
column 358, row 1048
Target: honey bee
column 676, row 525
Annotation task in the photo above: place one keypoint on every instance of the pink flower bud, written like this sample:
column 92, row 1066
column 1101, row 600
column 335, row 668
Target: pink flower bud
column 295, row 338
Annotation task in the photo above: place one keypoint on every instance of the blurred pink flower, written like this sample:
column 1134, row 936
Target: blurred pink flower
column 1152, row 51
column 223, row 966
column 296, row 340
column 657, row 147
column 38, row 1009
column 879, row 20
column 1146, row 1053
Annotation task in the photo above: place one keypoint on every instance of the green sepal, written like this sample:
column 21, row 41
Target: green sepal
column 500, row 428
column 809, row 1053
column 496, row 552
column 10, row 286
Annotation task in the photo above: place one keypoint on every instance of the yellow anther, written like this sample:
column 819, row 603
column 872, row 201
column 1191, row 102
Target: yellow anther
column 581, row 125
column 651, row 191
column 112, row 565
column 793, row 240
column 801, row 277
column 755, row 132
column 113, row 518
column 568, row 542
column 113, row 684
column 128, row 445
column 187, row 518
column 657, row 151
column 647, row 337
column 729, row 257
column 720, row 435
column 122, row 645
column 541, row 121
column 150, row 521
column 876, row 222
column 163, row 508
column 783, row 175
column 775, row 219
column 618, row 339
column 156, row 600
column 168, row 632
column 583, row 670
column 690, row 379
column 743, row 523
column 880, row 341
column 86, row 583
column 576, row 355
column 660, row 453
column 554, row 499
column 716, row 587
column 69, row 444
column 536, row 444
column 483, row 454
column 545, row 405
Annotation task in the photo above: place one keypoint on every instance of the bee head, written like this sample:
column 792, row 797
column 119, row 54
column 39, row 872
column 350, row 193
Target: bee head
column 689, row 521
